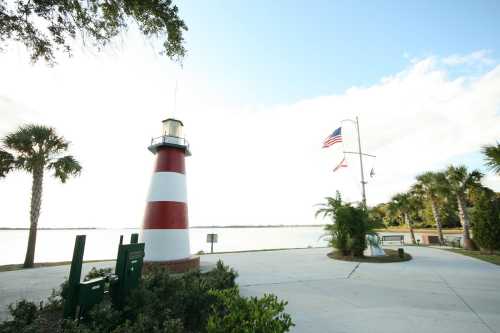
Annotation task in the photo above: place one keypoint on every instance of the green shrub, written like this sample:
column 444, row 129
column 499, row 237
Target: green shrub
column 29, row 317
column 222, row 277
column 349, row 230
column 162, row 303
column 486, row 222
column 233, row 313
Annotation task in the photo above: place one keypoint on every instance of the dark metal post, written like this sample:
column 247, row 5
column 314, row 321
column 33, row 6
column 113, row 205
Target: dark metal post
column 211, row 238
column 119, row 256
column 134, row 238
column 75, row 273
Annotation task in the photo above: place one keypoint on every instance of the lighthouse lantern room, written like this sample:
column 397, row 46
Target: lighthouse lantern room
column 172, row 134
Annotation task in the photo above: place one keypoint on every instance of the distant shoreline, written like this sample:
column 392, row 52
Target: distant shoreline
column 389, row 230
column 84, row 228
column 193, row 227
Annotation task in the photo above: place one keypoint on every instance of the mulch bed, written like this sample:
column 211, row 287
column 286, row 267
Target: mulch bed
column 391, row 256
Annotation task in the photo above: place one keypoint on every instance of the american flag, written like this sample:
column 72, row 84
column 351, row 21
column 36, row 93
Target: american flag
column 333, row 138
column 342, row 164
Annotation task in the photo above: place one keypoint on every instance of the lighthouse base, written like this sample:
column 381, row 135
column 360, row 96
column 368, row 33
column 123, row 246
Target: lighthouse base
column 175, row 266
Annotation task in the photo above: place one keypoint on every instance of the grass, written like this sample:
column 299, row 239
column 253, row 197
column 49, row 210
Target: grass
column 493, row 258
column 391, row 256
column 15, row 267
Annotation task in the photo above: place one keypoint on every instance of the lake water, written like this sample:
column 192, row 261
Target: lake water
column 57, row 245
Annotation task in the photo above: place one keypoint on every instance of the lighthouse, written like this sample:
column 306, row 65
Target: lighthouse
column 165, row 228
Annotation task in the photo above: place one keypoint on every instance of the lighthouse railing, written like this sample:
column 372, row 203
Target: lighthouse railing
column 168, row 139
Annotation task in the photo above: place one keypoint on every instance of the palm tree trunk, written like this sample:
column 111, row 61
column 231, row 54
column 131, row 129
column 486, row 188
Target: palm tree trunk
column 407, row 219
column 437, row 219
column 464, row 220
column 36, row 202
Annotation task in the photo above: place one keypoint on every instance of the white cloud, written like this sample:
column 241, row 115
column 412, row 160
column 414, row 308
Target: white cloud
column 478, row 57
column 250, row 165
column 492, row 181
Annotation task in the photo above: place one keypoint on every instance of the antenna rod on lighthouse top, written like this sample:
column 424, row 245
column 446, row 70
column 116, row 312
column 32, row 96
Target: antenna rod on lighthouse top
column 175, row 98
column 361, row 165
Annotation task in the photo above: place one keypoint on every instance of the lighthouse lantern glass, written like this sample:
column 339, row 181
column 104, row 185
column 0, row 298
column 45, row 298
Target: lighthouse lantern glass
column 173, row 127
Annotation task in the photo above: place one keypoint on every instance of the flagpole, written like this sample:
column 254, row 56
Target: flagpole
column 360, row 153
column 361, row 165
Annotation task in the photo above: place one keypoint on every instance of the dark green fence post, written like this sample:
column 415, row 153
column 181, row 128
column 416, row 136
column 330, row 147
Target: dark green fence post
column 75, row 273
column 134, row 238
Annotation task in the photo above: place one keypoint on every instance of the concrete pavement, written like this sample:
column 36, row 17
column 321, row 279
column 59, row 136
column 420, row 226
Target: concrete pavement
column 437, row 291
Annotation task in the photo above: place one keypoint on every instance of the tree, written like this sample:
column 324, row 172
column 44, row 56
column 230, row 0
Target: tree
column 492, row 157
column 486, row 221
column 6, row 163
column 430, row 185
column 34, row 148
column 447, row 210
column 349, row 228
column 461, row 182
column 393, row 218
column 339, row 237
column 378, row 215
column 403, row 204
column 329, row 208
column 45, row 27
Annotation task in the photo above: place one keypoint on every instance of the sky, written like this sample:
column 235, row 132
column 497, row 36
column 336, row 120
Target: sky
column 261, row 87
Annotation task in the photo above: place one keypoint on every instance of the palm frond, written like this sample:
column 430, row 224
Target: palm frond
column 38, row 146
column 64, row 167
column 33, row 140
column 7, row 163
column 492, row 157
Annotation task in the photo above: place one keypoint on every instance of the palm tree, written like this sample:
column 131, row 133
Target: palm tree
column 492, row 157
column 350, row 226
column 329, row 208
column 402, row 204
column 6, row 163
column 339, row 237
column 461, row 183
column 430, row 185
column 34, row 148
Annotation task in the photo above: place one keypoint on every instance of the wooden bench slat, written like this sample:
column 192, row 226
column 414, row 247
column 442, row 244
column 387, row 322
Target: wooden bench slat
column 393, row 238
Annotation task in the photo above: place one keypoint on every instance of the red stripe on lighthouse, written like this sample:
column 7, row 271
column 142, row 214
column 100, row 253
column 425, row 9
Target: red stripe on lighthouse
column 166, row 215
column 170, row 159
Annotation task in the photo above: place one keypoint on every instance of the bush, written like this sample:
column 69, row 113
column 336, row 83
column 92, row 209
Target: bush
column 162, row 303
column 349, row 230
column 486, row 222
column 45, row 317
column 233, row 313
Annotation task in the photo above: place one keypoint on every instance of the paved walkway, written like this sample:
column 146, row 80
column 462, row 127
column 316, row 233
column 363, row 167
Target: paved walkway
column 437, row 291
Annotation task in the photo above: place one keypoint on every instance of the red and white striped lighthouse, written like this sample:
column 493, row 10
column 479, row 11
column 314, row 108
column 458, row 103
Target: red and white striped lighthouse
column 165, row 229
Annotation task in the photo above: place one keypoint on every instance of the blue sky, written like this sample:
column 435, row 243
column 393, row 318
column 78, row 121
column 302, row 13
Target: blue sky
column 273, row 52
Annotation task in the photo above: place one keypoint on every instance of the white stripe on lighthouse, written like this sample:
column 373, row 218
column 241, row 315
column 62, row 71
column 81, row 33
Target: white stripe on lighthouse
column 164, row 245
column 168, row 186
